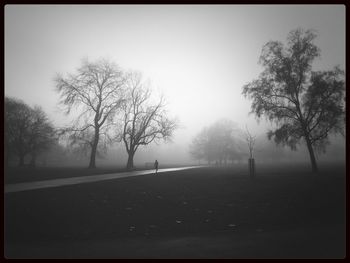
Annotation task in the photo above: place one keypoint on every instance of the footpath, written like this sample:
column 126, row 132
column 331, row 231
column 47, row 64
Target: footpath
column 19, row 187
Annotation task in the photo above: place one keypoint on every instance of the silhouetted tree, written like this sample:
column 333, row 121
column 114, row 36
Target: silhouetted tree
column 218, row 142
column 302, row 103
column 143, row 121
column 251, row 143
column 27, row 131
column 9, row 115
column 97, row 92
column 221, row 139
column 250, row 139
column 17, row 129
column 42, row 134
column 198, row 146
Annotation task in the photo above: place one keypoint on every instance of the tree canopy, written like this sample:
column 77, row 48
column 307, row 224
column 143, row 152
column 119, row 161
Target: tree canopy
column 96, row 90
column 143, row 121
column 220, row 142
column 304, row 104
column 27, row 131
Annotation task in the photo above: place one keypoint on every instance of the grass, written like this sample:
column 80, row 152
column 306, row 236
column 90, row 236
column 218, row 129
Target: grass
column 204, row 212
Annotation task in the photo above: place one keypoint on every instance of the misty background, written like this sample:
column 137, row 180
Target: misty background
column 198, row 57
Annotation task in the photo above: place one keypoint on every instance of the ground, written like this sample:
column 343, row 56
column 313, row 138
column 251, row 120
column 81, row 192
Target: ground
column 285, row 212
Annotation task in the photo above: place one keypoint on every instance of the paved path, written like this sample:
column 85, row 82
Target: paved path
column 10, row 188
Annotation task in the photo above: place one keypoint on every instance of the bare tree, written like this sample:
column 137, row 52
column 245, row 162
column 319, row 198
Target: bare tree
column 250, row 141
column 304, row 104
column 97, row 92
column 143, row 121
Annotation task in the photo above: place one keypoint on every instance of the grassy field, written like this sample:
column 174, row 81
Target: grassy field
column 198, row 213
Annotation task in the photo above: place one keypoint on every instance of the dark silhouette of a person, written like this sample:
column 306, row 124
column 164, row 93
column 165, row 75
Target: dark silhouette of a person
column 156, row 166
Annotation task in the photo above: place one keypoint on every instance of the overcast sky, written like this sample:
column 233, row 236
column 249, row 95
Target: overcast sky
column 198, row 56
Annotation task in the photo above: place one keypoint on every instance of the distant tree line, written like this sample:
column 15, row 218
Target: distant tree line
column 220, row 143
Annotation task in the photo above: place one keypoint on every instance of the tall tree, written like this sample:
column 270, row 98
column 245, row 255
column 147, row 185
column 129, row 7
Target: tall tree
column 97, row 92
column 302, row 103
column 144, row 121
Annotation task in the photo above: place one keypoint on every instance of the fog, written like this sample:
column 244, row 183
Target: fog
column 197, row 57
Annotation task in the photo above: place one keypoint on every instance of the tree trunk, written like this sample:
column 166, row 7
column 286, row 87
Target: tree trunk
column 251, row 164
column 130, row 163
column 92, row 163
column 312, row 154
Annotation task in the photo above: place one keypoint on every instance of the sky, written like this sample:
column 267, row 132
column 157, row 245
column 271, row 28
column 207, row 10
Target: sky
column 197, row 56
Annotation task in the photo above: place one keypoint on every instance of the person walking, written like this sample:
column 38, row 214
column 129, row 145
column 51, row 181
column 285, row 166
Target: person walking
column 156, row 166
